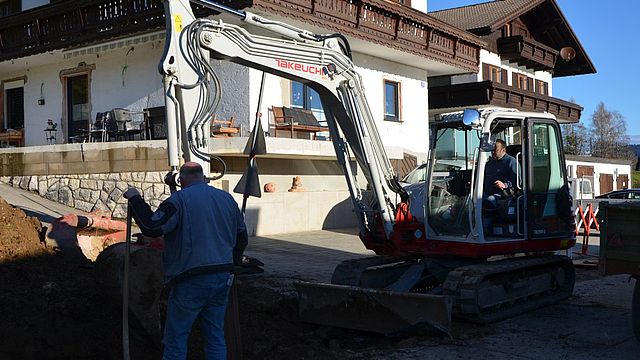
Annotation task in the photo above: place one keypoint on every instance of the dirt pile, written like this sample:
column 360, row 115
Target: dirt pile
column 50, row 306
column 19, row 234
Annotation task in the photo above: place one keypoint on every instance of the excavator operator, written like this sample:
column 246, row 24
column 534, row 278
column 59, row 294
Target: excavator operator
column 499, row 175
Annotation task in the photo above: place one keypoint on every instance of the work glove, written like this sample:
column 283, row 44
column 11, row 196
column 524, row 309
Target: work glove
column 131, row 192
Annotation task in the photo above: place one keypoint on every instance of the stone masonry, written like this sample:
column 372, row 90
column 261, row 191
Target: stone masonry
column 92, row 192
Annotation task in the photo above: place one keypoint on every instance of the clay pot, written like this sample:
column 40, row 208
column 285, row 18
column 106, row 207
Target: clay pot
column 270, row 187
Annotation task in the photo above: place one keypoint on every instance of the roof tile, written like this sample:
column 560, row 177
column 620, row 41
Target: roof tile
column 482, row 15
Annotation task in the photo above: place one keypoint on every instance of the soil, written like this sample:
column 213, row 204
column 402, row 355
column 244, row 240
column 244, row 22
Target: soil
column 51, row 307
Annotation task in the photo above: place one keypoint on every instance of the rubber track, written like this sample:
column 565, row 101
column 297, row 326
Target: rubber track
column 464, row 283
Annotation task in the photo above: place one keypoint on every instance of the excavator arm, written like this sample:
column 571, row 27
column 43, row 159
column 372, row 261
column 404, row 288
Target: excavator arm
column 323, row 62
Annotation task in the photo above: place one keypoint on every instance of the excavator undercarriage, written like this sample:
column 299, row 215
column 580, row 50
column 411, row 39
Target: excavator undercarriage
column 391, row 295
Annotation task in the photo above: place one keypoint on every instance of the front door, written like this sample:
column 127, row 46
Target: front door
column 77, row 105
column 15, row 108
column 549, row 202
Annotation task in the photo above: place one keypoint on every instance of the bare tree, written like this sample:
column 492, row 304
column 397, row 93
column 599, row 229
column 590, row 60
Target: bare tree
column 609, row 134
column 575, row 138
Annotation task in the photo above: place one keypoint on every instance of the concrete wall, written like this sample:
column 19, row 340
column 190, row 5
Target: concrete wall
column 93, row 176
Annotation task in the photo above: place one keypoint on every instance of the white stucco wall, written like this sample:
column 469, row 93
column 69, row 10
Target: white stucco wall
column 412, row 133
column 130, row 79
column 600, row 168
column 137, row 88
column 419, row 5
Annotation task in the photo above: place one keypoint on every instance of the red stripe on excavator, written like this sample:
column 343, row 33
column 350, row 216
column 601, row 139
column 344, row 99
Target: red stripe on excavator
column 464, row 249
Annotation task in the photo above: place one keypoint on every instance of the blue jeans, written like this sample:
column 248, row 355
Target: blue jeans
column 202, row 295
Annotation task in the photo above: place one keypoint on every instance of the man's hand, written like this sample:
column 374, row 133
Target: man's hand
column 131, row 192
column 500, row 185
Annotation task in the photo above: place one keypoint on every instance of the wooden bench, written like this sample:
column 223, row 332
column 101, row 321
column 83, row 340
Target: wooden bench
column 223, row 128
column 288, row 123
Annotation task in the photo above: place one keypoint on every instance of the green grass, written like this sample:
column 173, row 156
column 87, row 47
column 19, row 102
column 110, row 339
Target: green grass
column 635, row 179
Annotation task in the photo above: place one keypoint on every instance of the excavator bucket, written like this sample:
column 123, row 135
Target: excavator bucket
column 373, row 310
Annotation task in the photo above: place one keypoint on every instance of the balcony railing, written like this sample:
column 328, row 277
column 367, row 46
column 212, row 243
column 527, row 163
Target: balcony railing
column 71, row 23
column 489, row 93
column 527, row 52
column 385, row 23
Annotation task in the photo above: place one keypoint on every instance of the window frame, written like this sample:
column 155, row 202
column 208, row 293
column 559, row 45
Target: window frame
column 544, row 87
column 306, row 104
column 527, row 80
column 397, row 117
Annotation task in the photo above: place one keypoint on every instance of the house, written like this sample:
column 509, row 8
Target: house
column 529, row 43
column 69, row 61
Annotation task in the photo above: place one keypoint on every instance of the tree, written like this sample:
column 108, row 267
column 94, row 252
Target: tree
column 575, row 139
column 609, row 134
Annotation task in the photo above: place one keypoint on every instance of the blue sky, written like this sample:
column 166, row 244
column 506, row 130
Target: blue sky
column 606, row 30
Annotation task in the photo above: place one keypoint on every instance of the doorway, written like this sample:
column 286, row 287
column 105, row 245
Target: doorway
column 15, row 108
column 78, row 109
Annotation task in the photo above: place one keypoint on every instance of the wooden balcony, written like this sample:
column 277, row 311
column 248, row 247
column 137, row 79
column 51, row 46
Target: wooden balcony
column 385, row 23
column 527, row 52
column 488, row 93
column 71, row 23
column 67, row 24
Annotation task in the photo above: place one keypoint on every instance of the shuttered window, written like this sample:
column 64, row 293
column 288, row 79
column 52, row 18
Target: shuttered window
column 494, row 73
column 542, row 87
column 522, row 81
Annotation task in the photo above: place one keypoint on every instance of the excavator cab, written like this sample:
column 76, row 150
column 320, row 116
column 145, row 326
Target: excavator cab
column 520, row 150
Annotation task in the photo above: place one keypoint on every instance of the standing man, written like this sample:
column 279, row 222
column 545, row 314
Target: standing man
column 204, row 235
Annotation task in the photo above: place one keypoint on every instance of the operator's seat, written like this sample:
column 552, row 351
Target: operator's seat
column 514, row 150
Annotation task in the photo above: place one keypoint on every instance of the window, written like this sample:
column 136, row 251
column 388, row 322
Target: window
column 494, row 73
column 305, row 97
column 547, row 179
column 522, row 81
column 542, row 87
column 391, row 100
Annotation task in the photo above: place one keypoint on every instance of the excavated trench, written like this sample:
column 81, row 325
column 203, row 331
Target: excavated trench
column 53, row 306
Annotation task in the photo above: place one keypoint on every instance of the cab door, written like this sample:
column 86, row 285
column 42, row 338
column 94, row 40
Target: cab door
column 548, row 197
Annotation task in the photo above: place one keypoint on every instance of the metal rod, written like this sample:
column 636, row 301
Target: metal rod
column 125, row 290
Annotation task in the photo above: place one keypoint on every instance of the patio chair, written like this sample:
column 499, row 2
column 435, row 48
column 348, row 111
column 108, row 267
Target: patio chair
column 126, row 126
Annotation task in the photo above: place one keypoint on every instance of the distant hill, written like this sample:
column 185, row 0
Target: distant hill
column 634, row 139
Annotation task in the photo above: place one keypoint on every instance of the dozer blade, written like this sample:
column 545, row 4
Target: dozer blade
column 373, row 310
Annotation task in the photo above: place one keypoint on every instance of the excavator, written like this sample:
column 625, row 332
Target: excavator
column 441, row 250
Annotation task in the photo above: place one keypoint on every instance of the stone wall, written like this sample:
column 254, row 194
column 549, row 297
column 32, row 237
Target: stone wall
column 91, row 192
